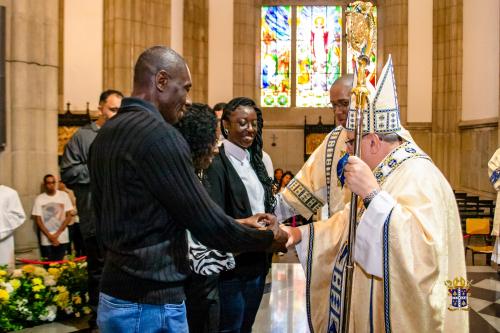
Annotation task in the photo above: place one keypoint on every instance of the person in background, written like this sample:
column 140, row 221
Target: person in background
column 52, row 212
column 75, row 235
column 198, row 127
column 278, row 173
column 75, row 174
column 238, row 181
column 11, row 217
column 494, row 174
column 218, row 110
column 285, row 179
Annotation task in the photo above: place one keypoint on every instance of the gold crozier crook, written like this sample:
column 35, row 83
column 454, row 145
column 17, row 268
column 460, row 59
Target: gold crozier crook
column 361, row 34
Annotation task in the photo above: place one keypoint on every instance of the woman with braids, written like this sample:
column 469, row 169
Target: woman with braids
column 237, row 180
column 198, row 126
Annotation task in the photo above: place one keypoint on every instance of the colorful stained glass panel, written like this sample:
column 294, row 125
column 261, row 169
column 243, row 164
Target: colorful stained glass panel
column 275, row 56
column 352, row 56
column 319, row 53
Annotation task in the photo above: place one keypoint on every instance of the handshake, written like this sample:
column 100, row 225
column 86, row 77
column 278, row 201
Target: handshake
column 268, row 222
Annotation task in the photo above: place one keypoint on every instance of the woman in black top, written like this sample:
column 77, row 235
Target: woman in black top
column 238, row 182
column 198, row 127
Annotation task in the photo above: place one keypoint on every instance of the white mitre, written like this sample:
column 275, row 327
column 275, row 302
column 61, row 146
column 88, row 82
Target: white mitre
column 382, row 114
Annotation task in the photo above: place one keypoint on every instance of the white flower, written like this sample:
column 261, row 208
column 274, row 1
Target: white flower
column 49, row 314
column 8, row 287
column 17, row 273
column 68, row 310
column 48, row 280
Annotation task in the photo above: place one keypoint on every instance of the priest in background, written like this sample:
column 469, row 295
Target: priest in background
column 11, row 217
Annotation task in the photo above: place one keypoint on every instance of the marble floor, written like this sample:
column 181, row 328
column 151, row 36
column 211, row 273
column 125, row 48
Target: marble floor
column 283, row 306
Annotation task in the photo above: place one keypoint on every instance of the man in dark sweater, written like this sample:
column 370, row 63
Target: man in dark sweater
column 146, row 194
column 75, row 174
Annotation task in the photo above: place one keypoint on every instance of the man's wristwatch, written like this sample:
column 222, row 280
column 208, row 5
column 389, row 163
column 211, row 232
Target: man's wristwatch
column 370, row 196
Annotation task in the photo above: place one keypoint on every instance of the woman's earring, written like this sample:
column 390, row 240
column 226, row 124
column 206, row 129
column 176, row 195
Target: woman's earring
column 226, row 131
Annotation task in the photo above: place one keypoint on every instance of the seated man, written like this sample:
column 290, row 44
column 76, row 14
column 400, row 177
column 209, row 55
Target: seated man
column 408, row 240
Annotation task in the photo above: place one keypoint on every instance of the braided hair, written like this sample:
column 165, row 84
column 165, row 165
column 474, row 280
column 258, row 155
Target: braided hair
column 198, row 128
column 255, row 149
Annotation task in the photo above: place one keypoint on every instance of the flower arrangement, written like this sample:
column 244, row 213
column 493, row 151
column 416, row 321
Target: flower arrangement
column 33, row 295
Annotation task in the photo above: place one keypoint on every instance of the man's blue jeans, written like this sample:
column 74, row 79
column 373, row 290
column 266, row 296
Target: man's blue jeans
column 116, row 315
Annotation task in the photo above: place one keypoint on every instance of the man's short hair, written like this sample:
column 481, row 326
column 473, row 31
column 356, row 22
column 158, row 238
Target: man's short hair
column 46, row 177
column 105, row 94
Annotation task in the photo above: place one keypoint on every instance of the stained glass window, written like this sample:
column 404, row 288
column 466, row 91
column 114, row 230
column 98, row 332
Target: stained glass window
column 352, row 55
column 318, row 53
column 302, row 76
column 276, row 44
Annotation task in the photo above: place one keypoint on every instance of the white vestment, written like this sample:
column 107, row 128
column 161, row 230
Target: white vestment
column 494, row 174
column 11, row 216
column 408, row 243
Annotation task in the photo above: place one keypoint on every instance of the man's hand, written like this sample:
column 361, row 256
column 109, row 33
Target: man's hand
column 294, row 235
column 359, row 177
column 53, row 238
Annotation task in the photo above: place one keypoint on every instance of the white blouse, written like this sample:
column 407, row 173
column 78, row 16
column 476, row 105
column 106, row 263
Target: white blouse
column 240, row 159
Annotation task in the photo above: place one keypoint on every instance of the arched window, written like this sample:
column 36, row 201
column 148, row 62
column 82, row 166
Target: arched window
column 302, row 52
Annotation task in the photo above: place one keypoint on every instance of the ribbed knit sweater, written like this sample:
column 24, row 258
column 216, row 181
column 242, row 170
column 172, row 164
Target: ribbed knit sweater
column 146, row 194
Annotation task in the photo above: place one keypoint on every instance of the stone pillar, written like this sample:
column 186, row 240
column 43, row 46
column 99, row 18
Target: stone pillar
column 245, row 48
column 130, row 27
column 447, row 87
column 393, row 39
column 196, row 47
column 32, row 101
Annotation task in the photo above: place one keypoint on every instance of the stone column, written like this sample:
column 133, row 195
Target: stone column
column 447, row 87
column 32, row 101
column 130, row 27
column 393, row 39
column 245, row 47
column 196, row 46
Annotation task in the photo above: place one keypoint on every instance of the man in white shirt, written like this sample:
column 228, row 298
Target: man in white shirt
column 52, row 212
column 11, row 217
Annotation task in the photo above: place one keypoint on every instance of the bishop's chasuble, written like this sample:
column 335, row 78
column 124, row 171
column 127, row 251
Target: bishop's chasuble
column 408, row 243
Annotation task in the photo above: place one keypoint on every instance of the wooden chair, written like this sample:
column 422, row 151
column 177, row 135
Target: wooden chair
column 478, row 227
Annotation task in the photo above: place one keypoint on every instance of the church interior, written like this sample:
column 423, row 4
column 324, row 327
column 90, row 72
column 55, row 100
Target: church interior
column 57, row 56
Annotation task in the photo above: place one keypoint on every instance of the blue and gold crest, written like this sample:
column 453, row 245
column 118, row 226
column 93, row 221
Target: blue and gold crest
column 459, row 290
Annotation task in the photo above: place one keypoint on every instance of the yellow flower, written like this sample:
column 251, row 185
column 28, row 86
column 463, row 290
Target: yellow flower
column 4, row 295
column 37, row 296
column 38, row 287
column 86, row 310
column 55, row 272
column 77, row 299
column 61, row 289
column 39, row 271
column 37, row 281
column 3, row 272
column 15, row 283
column 71, row 264
column 28, row 268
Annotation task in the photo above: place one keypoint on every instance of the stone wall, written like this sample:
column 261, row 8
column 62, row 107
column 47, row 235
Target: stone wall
column 32, row 102
column 196, row 46
column 479, row 140
column 246, row 47
column 447, row 87
column 130, row 27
